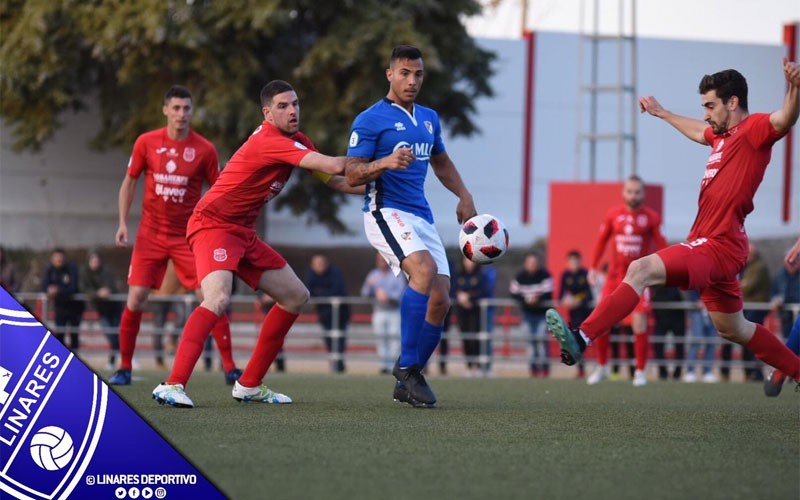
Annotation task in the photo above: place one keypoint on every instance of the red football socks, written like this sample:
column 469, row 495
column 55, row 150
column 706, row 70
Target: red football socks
column 773, row 352
column 195, row 333
column 274, row 329
column 128, row 331
column 601, row 345
column 222, row 335
column 611, row 310
column 640, row 346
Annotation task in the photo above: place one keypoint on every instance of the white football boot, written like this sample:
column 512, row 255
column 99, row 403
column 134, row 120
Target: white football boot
column 172, row 395
column 639, row 378
column 598, row 375
column 261, row 394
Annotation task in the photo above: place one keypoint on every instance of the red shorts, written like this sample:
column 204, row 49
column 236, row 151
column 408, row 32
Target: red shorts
column 149, row 262
column 645, row 305
column 220, row 246
column 707, row 266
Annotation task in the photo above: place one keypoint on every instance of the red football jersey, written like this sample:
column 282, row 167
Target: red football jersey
column 255, row 174
column 733, row 173
column 174, row 174
column 636, row 233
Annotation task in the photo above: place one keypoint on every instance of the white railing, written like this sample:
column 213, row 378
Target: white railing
column 506, row 342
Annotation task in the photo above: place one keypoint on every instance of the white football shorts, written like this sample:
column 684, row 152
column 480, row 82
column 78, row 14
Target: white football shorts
column 397, row 234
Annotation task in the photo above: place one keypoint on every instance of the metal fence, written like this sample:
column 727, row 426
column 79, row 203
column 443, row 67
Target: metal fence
column 504, row 343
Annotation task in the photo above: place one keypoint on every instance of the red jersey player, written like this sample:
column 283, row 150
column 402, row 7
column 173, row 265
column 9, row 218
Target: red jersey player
column 635, row 232
column 717, row 246
column 223, row 239
column 175, row 162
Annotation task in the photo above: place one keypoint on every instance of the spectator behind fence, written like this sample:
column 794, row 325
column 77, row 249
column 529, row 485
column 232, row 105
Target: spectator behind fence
column 326, row 280
column 470, row 288
column 60, row 282
column 755, row 283
column 575, row 293
column 9, row 278
column 703, row 333
column 786, row 290
column 669, row 321
column 387, row 289
column 533, row 289
column 99, row 283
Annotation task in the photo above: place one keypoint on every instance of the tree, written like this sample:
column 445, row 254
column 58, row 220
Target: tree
column 123, row 55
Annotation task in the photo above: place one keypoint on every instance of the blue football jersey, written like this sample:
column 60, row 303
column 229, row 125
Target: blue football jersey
column 380, row 130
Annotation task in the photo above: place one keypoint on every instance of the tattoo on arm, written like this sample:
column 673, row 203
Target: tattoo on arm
column 359, row 170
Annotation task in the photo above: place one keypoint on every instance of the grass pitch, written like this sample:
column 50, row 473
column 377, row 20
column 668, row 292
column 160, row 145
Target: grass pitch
column 490, row 438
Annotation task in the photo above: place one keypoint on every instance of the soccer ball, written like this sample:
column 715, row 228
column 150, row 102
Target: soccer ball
column 483, row 239
column 51, row 448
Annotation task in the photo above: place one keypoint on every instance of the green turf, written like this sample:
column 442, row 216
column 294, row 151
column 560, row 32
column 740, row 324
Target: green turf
column 490, row 438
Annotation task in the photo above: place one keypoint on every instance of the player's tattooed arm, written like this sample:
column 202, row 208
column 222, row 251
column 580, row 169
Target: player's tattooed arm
column 359, row 170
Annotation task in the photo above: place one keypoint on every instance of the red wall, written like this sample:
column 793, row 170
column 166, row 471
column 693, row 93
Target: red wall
column 576, row 211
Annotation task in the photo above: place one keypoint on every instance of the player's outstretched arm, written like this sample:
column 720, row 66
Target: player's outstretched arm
column 359, row 170
column 319, row 162
column 783, row 119
column 339, row 183
column 690, row 127
column 448, row 175
column 126, row 193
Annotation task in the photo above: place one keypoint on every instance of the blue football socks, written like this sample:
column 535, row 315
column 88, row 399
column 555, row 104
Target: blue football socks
column 429, row 338
column 413, row 307
column 793, row 342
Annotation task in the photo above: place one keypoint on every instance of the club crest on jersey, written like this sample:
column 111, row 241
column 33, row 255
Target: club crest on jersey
column 171, row 166
column 189, row 154
column 641, row 220
column 429, row 126
column 220, row 255
column 406, row 236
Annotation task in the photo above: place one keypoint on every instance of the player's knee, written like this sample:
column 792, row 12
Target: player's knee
column 641, row 272
column 217, row 302
column 439, row 305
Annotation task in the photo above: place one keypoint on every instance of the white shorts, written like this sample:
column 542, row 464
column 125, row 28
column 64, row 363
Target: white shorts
column 397, row 234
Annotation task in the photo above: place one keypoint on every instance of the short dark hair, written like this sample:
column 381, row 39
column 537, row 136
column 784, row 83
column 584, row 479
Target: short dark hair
column 272, row 89
column 178, row 91
column 405, row 52
column 635, row 178
column 727, row 83
column 573, row 254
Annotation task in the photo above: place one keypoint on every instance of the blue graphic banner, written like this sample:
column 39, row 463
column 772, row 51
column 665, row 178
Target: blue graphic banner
column 63, row 434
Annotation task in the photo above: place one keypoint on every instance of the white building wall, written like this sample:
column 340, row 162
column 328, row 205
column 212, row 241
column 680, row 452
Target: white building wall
column 66, row 195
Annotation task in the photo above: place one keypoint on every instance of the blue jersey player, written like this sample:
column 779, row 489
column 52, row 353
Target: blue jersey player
column 392, row 145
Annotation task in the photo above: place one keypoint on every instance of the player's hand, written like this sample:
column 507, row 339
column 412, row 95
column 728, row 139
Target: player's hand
column 400, row 159
column 651, row 105
column 592, row 277
column 465, row 209
column 121, row 238
column 791, row 71
column 792, row 259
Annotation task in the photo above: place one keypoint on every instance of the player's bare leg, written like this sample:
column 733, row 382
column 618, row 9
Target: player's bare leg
column 644, row 272
column 761, row 342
